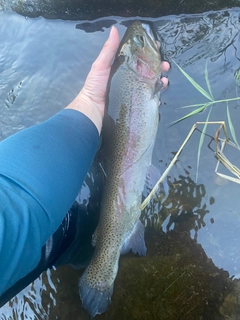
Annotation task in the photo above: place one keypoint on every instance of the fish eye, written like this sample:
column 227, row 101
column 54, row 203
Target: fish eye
column 138, row 39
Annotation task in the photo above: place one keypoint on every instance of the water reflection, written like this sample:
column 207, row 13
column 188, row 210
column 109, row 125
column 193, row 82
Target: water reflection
column 200, row 37
column 28, row 303
column 191, row 270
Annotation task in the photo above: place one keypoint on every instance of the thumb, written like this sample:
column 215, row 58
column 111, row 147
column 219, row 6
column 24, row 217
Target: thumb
column 107, row 54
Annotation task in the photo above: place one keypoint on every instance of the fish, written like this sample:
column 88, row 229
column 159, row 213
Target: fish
column 129, row 132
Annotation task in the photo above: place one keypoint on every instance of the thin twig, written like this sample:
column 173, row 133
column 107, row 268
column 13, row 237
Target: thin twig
column 219, row 154
column 152, row 193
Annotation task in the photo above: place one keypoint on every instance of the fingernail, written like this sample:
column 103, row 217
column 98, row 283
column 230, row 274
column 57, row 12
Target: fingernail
column 111, row 31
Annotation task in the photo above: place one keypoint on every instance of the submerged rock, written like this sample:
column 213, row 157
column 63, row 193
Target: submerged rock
column 91, row 9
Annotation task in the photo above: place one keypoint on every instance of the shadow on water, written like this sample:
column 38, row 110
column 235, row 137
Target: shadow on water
column 192, row 268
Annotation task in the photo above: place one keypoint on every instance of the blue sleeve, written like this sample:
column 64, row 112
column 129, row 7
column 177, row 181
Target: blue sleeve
column 42, row 169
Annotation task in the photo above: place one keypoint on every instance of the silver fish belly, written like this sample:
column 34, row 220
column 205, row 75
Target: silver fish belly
column 131, row 128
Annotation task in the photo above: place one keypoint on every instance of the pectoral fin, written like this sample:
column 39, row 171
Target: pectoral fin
column 158, row 86
column 135, row 241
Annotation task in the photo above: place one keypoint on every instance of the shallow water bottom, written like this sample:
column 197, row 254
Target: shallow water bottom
column 176, row 280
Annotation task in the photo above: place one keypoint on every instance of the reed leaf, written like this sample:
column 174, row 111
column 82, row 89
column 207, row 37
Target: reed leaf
column 211, row 102
column 196, row 105
column 194, row 83
column 207, row 81
column 231, row 127
column 237, row 76
column 194, row 112
column 201, row 142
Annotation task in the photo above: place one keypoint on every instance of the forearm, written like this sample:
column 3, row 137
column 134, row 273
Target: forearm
column 44, row 166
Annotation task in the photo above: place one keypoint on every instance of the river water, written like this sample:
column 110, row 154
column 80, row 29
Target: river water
column 43, row 64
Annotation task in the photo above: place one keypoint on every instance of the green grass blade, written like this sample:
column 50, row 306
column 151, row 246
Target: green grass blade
column 231, row 127
column 198, row 104
column 201, row 142
column 194, row 83
column 194, row 112
column 237, row 76
column 207, row 81
column 195, row 105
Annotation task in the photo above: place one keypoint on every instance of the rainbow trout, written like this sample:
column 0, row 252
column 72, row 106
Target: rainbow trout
column 131, row 126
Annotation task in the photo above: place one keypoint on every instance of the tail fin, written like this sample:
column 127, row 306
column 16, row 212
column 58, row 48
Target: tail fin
column 94, row 300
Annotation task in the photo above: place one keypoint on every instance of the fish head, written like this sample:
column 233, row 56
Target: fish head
column 140, row 51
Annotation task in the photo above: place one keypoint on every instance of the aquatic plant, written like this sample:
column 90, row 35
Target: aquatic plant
column 199, row 107
column 202, row 106
column 237, row 76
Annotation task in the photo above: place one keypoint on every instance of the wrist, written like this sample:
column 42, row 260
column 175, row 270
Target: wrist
column 88, row 108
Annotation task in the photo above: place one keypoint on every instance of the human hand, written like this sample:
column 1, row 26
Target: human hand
column 91, row 99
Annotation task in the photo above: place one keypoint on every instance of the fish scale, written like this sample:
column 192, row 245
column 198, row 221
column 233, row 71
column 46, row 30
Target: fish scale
column 129, row 133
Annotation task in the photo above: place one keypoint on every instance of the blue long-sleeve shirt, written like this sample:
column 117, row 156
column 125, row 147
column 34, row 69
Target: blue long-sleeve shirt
column 42, row 169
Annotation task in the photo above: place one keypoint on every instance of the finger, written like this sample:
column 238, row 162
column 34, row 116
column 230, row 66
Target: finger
column 165, row 82
column 107, row 54
column 165, row 66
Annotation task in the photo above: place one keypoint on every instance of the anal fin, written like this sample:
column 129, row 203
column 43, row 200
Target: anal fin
column 135, row 241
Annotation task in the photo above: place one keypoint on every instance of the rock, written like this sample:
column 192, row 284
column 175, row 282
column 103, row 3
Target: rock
column 91, row 9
